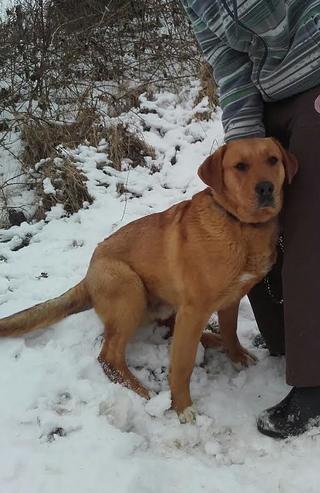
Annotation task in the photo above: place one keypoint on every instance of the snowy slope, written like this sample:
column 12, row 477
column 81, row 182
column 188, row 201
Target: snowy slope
column 64, row 426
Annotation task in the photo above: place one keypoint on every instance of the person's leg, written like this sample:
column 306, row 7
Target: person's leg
column 301, row 267
column 300, row 276
column 267, row 305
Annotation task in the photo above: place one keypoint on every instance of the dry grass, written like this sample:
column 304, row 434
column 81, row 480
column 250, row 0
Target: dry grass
column 128, row 98
column 42, row 137
column 41, row 140
column 209, row 89
column 124, row 145
column 69, row 187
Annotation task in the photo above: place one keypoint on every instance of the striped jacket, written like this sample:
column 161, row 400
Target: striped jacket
column 260, row 50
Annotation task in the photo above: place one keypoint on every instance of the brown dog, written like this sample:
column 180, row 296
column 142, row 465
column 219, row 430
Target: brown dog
column 200, row 256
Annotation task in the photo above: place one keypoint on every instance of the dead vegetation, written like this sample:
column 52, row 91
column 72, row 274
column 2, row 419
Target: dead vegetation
column 124, row 146
column 66, row 65
column 41, row 137
column 68, row 187
column 208, row 89
column 43, row 161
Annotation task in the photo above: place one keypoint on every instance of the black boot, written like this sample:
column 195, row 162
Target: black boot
column 296, row 413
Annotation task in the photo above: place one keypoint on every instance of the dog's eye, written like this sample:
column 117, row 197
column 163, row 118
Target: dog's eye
column 273, row 160
column 241, row 166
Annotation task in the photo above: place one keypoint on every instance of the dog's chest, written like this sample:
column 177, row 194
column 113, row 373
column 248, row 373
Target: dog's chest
column 255, row 269
column 244, row 260
column 259, row 254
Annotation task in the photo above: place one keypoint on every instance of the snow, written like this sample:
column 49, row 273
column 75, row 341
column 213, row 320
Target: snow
column 4, row 4
column 64, row 426
column 14, row 193
column 48, row 188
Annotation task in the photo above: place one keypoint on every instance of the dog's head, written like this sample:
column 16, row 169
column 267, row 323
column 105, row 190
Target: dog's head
column 247, row 176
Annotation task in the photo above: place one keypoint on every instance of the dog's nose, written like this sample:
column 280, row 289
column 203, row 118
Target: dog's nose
column 264, row 191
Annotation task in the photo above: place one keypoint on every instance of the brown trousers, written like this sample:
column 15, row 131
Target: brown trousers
column 295, row 324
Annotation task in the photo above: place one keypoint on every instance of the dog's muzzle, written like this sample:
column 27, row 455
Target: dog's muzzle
column 264, row 191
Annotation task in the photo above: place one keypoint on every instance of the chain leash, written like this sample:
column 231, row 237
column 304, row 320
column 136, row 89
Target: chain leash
column 266, row 280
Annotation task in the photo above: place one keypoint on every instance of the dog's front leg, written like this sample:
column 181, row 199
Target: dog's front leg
column 228, row 321
column 189, row 324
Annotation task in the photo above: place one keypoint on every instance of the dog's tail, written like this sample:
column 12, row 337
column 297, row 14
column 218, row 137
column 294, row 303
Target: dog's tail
column 75, row 300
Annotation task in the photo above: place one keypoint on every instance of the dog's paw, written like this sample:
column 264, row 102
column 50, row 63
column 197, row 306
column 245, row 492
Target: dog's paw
column 242, row 358
column 189, row 415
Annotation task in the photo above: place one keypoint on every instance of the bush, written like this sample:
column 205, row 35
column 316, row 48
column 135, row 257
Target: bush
column 67, row 65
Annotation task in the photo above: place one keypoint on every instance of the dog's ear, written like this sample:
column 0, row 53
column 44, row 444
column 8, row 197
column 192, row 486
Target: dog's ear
column 210, row 171
column 289, row 160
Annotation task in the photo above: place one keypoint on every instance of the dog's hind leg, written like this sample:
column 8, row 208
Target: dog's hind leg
column 240, row 356
column 119, row 298
column 211, row 340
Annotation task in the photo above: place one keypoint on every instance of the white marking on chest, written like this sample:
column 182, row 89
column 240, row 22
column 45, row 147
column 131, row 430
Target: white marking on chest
column 246, row 276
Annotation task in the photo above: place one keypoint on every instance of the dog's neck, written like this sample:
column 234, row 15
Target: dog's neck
column 234, row 217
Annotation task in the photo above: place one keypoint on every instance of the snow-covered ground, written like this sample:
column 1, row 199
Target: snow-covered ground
column 5, row 4
column 64, row 427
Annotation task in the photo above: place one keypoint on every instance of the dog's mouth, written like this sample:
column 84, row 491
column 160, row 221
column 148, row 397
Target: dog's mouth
column 263, row 207
column 259, row 211
column 266, row 202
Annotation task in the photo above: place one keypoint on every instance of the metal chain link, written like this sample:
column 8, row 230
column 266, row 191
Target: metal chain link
column 266, row 280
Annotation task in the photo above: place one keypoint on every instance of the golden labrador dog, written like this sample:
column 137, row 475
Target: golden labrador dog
column 198, row 257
